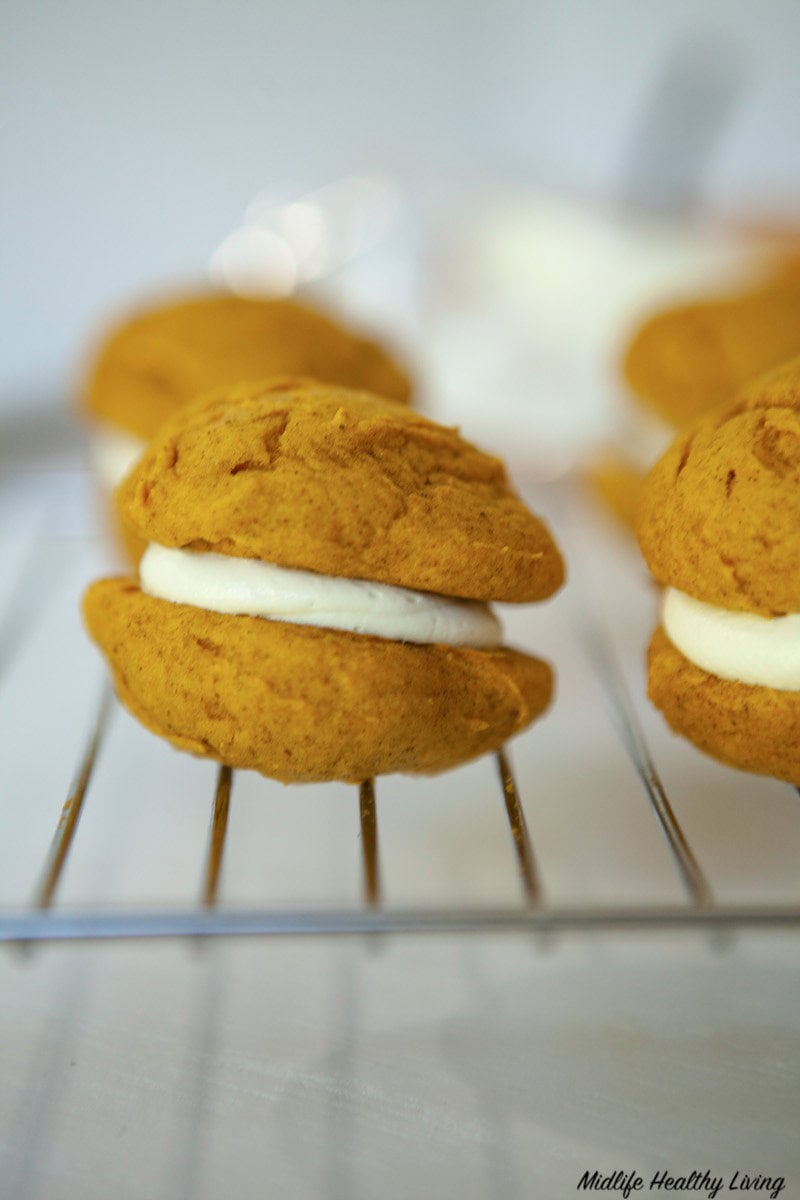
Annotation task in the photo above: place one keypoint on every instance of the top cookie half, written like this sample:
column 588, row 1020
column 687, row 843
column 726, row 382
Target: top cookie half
column 341, row 482
column 720, row 512
column 166, row 355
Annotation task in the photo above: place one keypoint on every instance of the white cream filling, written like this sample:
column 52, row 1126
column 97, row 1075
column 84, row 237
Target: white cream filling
column 250, row 587
column 744, row 647
column 112, row 453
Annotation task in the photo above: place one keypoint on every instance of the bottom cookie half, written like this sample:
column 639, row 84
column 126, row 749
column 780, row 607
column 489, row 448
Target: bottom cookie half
column 301, row 704
column 753, row 728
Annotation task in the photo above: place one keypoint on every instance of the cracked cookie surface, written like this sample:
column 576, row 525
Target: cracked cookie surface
column 341, row 483
column 344, row 483
column 719, row 517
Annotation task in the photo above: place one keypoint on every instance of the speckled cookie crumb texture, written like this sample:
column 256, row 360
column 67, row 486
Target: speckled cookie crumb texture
column 752, row 728
column 301, row 704
column 164, row 356
column 340, row 482
column 720, row 512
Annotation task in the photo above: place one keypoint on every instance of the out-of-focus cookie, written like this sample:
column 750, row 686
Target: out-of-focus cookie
column 617, row 483
column 719, row 526
column 685, row 361
column 165, row 355
column 313, row 599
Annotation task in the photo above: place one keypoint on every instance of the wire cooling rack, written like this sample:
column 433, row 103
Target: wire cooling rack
column 43, row 918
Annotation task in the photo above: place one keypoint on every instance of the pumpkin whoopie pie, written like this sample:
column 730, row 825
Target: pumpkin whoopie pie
column 685, row 360
column 313, row 600
column 164, row 355
column 719, row 526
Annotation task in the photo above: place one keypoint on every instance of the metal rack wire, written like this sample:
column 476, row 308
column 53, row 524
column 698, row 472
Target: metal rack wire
column 44, row 921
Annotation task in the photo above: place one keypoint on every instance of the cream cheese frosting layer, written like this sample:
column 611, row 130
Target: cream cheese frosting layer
column 250, row 587
column 741, row 646
column 112, row 453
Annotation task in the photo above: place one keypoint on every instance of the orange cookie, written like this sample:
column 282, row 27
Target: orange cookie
column 753, row 728
column 313, row 601
column 617, row 483
column 719, row 526
column 685, row 361
column 164, row 356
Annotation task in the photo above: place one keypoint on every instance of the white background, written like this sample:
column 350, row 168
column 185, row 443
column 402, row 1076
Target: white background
column 132, row 136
